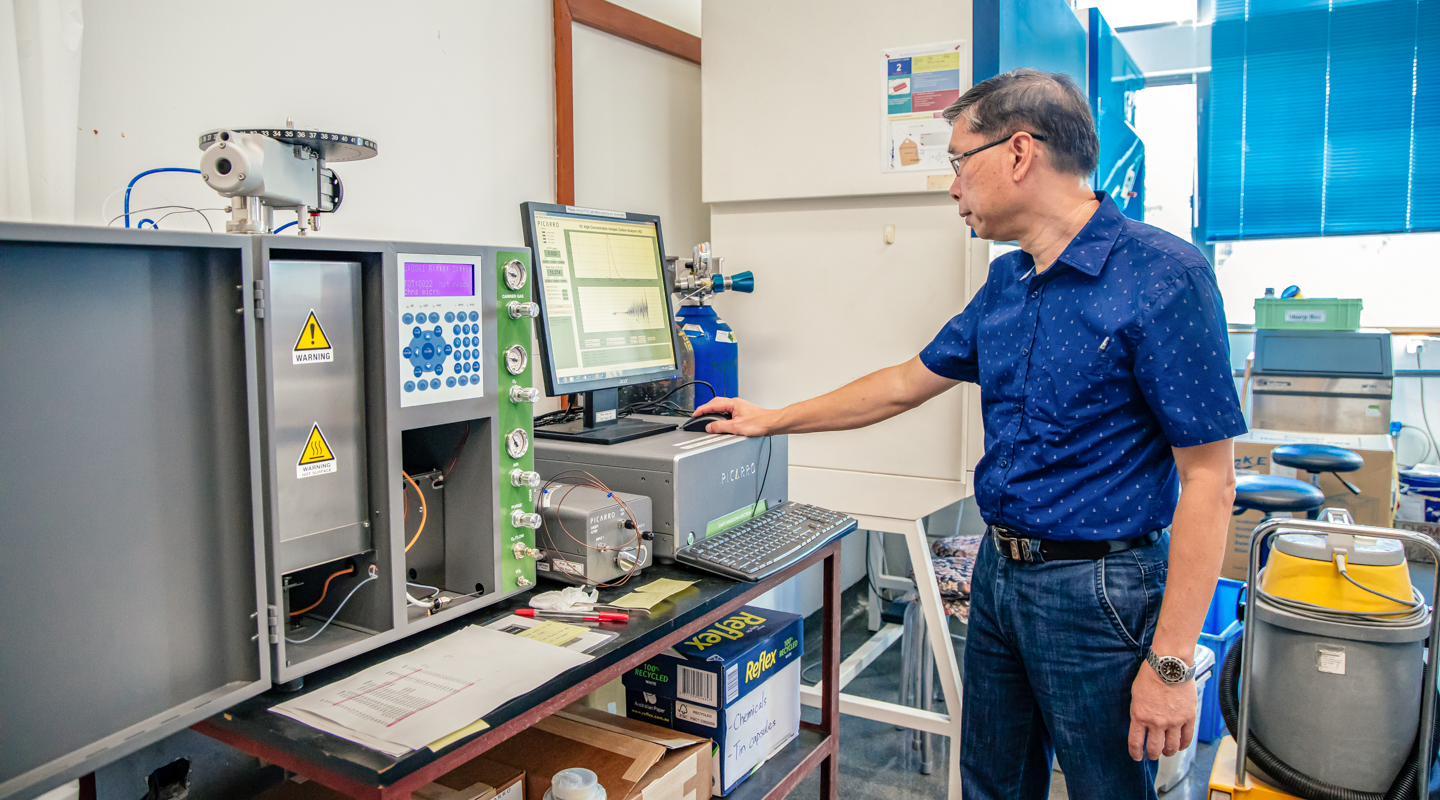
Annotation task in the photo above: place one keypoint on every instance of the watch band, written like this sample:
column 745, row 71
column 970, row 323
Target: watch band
column 1170, row 669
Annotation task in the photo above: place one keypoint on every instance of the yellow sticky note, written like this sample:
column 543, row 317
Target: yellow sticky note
column 664, row 587
column 639, row 600
column 552, row 632
column 653, row 592
column 445, row 741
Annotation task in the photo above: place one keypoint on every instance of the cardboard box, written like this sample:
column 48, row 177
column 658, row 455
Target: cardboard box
column 736, row 682
column 1375, row 505
column 477, row 779
column 633, row 760
column 737, row 653
column 746, row 733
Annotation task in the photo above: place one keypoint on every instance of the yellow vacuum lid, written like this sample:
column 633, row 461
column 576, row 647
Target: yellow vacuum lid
column 1302, row 567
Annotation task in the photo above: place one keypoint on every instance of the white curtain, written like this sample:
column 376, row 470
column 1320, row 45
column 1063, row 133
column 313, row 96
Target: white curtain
column 40, row 43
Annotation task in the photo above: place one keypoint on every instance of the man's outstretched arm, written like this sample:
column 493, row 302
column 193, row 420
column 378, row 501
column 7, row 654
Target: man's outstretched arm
column 865, row 401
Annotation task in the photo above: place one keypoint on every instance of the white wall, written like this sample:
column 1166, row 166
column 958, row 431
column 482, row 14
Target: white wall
column 457, row 94
column 637, row 131
column 793, row 93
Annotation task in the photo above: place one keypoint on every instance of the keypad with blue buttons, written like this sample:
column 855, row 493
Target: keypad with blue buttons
column 440, row 346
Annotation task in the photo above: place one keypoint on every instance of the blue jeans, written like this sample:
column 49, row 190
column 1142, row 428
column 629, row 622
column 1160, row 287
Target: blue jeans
column 1051, row 653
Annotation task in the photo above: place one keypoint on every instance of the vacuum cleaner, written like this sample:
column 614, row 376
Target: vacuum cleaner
column 1329, row 694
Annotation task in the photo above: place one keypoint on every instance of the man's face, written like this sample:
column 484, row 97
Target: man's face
column 982, row 188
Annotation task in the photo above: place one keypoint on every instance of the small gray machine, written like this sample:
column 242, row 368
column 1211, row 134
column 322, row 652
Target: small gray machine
column 699, row 483
column 1323, row 381
column 592, row 537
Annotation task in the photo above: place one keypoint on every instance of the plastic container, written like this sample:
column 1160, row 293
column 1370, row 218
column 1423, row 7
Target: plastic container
column 575, row 783
column 1222, row 629
column 1419, row 495
column 1307, row 313
column 1173, row 769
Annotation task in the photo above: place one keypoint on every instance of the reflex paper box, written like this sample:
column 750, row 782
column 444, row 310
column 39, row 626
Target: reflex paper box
column 745, row 733
column 725, row 661
column 737, row 682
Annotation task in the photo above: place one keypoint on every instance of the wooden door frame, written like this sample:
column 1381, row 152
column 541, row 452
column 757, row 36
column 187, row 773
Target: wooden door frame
column 616, row 21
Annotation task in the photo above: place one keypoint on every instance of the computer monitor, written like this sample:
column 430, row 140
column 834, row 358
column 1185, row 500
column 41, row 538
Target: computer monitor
column 605, row 314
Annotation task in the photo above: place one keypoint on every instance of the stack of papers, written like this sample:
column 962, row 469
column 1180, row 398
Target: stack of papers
column 425, row 696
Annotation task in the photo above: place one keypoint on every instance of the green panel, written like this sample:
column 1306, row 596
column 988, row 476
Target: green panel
column 513, row 415
column 736, row 517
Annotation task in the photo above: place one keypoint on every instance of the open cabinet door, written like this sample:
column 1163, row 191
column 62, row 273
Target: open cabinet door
column 132, row 599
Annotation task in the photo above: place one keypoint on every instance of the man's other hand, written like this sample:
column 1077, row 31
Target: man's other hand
column 746, row 418
column 1162, row 716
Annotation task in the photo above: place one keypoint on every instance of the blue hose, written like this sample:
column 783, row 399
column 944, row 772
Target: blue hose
column 142, row 222
column 133, row 180
column 283, row 227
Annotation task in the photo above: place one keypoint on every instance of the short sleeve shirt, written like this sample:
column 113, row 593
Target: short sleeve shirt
column 1089, row 373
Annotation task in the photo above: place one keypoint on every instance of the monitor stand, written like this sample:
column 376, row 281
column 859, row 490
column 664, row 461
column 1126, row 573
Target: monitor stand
column 601, row 425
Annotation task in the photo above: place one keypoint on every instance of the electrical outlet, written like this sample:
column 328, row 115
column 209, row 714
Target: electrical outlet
column 1414, row 344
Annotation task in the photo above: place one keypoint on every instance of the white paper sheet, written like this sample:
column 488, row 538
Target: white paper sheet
column 417, row 698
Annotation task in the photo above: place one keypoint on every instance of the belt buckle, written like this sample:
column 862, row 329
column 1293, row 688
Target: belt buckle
column 1020, row 549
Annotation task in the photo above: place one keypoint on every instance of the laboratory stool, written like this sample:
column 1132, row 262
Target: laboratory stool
column 1272, row 494
column 954, row 563
column 1316, row 459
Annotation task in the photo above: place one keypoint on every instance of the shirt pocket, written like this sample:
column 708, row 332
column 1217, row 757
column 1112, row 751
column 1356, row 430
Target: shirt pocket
column 1082, row 385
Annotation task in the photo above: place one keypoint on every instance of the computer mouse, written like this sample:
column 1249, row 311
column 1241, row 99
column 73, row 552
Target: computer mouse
column 699, row 423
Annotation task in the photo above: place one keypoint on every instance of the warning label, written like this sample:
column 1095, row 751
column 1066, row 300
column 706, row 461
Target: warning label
column 317, row 458
column 311, row 346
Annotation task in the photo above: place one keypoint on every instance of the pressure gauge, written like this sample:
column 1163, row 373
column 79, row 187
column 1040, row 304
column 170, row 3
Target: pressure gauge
column 516, row 359
column 517, row 442
column 515, row 275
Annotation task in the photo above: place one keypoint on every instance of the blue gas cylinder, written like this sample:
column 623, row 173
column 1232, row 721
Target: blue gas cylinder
column 716, row 353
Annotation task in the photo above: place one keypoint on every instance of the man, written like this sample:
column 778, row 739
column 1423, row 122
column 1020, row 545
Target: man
column 1101, row 354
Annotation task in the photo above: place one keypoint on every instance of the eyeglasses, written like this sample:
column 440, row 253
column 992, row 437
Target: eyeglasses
column 955, row 160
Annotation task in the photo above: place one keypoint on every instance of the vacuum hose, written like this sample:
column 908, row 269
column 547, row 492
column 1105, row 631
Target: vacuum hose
column 1289, row 778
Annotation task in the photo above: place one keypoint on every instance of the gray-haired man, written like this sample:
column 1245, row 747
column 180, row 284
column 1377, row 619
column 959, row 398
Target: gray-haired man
column 1101, row 353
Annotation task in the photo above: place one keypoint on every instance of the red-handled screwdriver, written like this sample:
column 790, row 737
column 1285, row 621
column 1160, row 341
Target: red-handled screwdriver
column 598, row 616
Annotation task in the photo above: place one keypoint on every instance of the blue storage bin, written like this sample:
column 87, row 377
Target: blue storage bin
column 1222, row 629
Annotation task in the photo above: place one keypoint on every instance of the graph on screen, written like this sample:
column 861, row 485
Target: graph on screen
column 621, row 308
column 600, row 256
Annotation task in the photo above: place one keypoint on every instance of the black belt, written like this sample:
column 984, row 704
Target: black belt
column 1020, row 546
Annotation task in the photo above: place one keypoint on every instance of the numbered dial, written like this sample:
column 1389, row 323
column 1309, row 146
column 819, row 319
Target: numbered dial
column 515, row 275
column 517, row 443
column 516, row 358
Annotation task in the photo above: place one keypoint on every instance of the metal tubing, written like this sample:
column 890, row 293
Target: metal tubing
column 1247, row 649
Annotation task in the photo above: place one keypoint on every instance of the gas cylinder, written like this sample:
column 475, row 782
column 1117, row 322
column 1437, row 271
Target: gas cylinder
column 716, row 352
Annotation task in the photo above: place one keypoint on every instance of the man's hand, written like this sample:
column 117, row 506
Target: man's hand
column 746, row 418
column 865, row 401
column 1162, row 716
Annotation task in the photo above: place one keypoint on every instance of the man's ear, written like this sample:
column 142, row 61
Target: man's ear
column 1023, row 154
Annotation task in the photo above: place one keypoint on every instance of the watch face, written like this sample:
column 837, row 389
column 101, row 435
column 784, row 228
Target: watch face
column 1171, row 669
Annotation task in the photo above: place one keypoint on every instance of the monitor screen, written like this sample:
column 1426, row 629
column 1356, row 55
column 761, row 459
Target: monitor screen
column 439, row 280
column 605, row 298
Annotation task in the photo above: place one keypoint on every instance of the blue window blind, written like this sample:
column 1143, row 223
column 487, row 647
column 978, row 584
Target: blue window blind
column 1324, row 118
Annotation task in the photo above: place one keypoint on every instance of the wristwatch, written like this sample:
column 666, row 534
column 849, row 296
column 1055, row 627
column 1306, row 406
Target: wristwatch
column 1170, row 669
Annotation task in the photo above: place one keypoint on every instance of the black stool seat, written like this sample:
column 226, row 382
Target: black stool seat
column 1271, row 493
column 1317, row 458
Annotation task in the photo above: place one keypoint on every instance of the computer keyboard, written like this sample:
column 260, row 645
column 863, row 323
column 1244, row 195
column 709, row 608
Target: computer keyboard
column 767, row 542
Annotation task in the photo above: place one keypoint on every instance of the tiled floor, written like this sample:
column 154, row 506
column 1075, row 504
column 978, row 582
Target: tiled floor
column 879, row 762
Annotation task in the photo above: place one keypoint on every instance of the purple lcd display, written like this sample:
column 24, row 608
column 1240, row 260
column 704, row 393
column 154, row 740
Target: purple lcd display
column 439, row 280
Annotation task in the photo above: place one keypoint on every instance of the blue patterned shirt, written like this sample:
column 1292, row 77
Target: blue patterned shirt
column 1089, row 373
